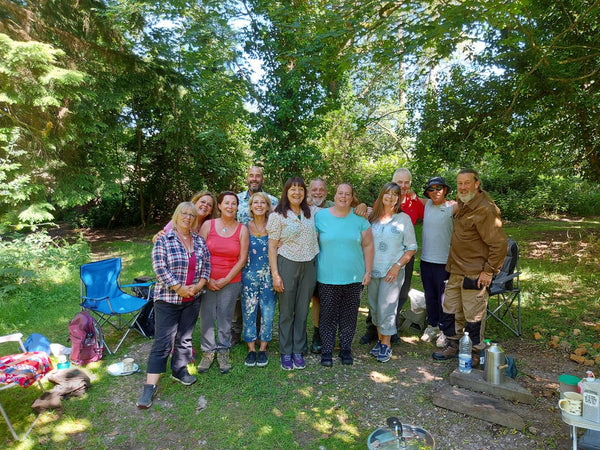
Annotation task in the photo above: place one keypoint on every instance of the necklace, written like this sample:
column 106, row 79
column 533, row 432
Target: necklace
column 225, row 227
column 189, row 247
column 262, row 231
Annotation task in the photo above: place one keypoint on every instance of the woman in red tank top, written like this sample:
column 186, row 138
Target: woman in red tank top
column 227, row 241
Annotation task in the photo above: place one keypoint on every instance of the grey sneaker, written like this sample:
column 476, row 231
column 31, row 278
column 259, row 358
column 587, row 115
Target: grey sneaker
column 184, row 378
column 223, row 359
column 262, row 359
column 145, row 399
column 441, row 340
column 430, row 333
column 206, row 362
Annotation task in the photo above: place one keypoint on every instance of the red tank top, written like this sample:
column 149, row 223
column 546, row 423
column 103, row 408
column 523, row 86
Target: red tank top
column 224, row 253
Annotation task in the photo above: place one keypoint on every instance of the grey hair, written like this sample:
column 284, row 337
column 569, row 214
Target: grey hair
column 402, row 170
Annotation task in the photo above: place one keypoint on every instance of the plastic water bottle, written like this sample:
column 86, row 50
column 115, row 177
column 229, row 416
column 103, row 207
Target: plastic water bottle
column 464, row 354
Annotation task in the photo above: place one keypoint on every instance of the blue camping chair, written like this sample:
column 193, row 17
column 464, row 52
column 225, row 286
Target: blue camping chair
column 102, row 297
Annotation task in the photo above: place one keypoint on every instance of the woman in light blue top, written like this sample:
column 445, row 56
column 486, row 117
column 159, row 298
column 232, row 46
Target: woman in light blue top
column 395, row 244
column 343, row 268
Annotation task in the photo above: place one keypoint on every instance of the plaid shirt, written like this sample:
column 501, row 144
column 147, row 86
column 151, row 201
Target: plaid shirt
column 170, row 264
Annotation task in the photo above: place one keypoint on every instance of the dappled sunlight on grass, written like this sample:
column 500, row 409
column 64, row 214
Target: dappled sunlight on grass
column 306, row 391
column 379, row 377
column 265, row 430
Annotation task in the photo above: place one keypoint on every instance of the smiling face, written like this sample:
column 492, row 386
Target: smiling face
column 258, row 206
column 343, row 196
column 204, row 206
column 390, row 199
column 228, row 206
column 186, row 219
column 467, row 187
column 317, row 191
column 255, row 179
column 403, row 179
column 437, row 193
column 295, row 195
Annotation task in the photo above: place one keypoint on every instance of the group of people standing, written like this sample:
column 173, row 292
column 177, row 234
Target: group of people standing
column 287, row 251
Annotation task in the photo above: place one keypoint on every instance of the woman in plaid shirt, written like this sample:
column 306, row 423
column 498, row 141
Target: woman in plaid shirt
column 181, row 262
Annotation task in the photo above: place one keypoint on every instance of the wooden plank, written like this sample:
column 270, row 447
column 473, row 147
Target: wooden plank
column 509, row 389
column 479, row 406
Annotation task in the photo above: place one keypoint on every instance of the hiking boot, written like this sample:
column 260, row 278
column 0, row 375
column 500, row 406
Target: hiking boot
column 262, row 359
column 385, row 353
column 184, row 377
column 223, row 360
column 430, row 333
column 145, row 399
column 347, row 358
column 375, row 350
column 206, row 362
column 250, row 360
column 286, row 362
column 298, row 361
column 326, row 360
column 450, row 351
column 316, row 341
column 441, row 340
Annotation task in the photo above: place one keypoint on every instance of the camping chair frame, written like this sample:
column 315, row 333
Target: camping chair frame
column 17, row 337
column 111, row 305
column 504, row 302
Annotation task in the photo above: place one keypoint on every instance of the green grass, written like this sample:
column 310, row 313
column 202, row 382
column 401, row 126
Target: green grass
column 270, row 408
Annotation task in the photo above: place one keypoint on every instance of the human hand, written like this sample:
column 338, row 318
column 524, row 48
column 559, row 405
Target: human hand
column 392, row 274
column 361, row 210
column 157, row 235
column 366, row 279
column 485, row 279
column 277, row 283
column 186, row 291
column 213, row 285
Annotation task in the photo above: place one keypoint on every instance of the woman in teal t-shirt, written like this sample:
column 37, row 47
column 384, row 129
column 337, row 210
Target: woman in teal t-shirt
column 343, row 268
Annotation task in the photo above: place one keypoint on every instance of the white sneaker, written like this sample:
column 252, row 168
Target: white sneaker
column 430, row 333
column 441, row 340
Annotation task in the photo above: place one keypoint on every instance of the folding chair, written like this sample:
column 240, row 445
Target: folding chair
column 102, row 297
column 504, row 303
column 22, row 369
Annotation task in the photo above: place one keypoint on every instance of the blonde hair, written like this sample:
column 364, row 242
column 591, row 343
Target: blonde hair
column 179, row 210
column 265, row 197
column 215, row 211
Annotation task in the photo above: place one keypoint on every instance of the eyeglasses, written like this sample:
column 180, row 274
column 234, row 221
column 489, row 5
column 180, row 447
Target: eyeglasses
column 435, row 188
column 188, row 215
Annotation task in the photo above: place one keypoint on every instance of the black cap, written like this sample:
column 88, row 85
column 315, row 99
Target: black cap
column 435, row 181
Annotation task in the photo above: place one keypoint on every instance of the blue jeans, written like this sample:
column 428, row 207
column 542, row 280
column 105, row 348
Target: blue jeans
column 173, row 323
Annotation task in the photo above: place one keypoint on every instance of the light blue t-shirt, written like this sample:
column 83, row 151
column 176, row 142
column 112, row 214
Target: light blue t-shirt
column 341, row 259
column 392, row 240
column 437, row 232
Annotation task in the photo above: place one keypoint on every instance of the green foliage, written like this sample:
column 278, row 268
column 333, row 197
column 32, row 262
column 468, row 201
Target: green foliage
column 28, row 262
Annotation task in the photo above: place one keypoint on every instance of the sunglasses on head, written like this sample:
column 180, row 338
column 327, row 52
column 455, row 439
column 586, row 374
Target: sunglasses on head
column 435, row 188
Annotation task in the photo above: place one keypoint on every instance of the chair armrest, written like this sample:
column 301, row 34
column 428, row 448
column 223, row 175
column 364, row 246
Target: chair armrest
column 95, row 298
column 15, row 337
column 138, row 284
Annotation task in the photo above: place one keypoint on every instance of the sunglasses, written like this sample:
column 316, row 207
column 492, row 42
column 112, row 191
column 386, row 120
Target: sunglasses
column 435, row 188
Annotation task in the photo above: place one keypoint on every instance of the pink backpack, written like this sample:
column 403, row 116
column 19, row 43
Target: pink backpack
column 86, row 339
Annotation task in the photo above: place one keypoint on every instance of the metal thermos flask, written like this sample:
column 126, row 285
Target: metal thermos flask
column 495, row 364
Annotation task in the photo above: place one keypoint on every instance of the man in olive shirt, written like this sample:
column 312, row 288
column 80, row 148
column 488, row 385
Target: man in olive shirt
column 477, row 250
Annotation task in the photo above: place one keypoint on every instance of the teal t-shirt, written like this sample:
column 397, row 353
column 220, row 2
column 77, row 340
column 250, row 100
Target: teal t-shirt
column 340, row 259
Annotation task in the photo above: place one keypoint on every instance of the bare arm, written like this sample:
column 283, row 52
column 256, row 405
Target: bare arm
column 277, row 281
column 368, row 251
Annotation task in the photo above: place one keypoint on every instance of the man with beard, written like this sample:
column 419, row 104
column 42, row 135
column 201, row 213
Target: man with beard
column 255, row 180
column 477, row 250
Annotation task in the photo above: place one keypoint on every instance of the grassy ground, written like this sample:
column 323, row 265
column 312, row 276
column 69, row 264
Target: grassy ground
column 314, row 408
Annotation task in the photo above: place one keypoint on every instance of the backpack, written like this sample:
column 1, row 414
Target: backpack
column 86, row 339
column 145, row 321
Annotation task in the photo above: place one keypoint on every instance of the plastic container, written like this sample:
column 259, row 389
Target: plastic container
column 63, row 362
column 591, row 401
column 464, row 354
column 589, row 376
column 568, row 383
column 482, row 354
